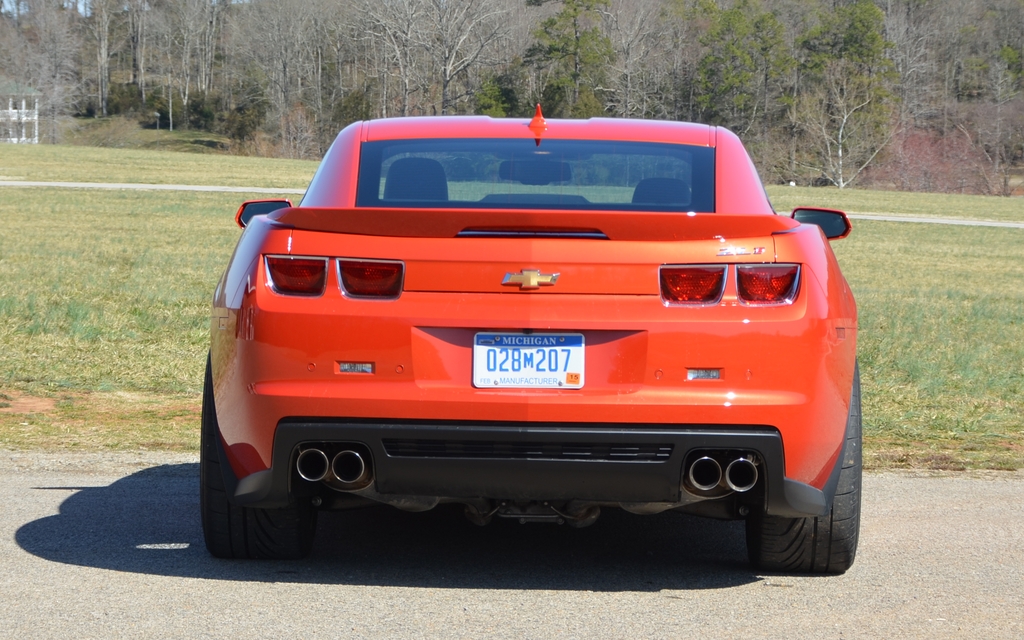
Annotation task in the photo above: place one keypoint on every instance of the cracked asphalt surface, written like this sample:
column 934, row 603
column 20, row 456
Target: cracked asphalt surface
column 109, row 545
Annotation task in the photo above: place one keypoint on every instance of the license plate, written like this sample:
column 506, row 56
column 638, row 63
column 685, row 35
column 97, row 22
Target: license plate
column 528, row 360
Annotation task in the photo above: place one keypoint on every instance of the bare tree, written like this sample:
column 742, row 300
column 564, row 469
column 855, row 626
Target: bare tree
column 637, row 36
column 848, row 122
column 998, row 133
column 14, row 49
column 910, row 29
column 457, row 34
column 396, row 25
column 275, row 30
column 101, row 14
column 53, row 59
column 206, row 48
column 683, row 56
column 137, row 11
column 186, row 22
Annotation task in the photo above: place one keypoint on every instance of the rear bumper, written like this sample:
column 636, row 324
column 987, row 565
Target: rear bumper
column 599, row 463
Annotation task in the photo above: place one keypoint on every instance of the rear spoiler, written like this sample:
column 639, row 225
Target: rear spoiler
column 450, row 223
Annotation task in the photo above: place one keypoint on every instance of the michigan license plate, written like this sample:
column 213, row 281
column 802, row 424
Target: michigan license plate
column 528, row 360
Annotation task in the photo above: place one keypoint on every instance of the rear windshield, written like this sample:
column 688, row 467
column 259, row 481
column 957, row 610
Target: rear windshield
column 520, row 174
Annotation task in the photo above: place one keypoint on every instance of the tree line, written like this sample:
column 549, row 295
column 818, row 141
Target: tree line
column 910, row 94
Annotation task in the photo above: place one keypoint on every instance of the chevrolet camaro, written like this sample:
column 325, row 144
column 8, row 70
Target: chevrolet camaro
column 535, row 319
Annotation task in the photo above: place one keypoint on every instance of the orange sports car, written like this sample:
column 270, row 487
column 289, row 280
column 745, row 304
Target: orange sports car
column 536, row 319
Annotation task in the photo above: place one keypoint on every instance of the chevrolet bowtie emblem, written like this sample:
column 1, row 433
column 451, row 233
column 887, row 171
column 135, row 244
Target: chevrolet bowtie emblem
column 530, row 279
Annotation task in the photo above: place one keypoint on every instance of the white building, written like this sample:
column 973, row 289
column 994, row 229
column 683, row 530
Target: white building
column 19, row 113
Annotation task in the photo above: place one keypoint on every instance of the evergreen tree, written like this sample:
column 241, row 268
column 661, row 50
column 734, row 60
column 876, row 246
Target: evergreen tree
column 576, row 53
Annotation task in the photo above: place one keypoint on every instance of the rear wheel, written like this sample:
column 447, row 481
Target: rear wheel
column 826, row 544
column 243, row 532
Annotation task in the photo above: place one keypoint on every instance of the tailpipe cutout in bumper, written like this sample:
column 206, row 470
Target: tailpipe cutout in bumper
column 341, row 467
column 716, row 473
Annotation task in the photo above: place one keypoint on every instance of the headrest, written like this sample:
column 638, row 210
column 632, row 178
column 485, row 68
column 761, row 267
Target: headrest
column 416, row 179
column 662, row 191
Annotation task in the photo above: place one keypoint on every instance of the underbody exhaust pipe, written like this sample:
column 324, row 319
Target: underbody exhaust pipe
column 705, row 473
column 312, row 465
column 349, row 468
column 741, row 475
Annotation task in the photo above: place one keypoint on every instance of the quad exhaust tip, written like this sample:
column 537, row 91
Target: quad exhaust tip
column 705, row 473
column 312, row 465
column 349, row 467
column 741, row 475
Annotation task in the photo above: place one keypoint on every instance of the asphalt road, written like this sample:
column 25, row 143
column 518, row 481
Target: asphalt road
column 105, row 545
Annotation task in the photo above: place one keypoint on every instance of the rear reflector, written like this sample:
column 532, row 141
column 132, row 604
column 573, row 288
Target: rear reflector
column 371, row 278
column 355, row 367
column 703, row 374
column 693, row 284
column 767, row 283
column 297, row 276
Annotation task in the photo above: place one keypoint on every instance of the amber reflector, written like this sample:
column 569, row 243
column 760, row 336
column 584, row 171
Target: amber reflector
column 693, row 285
column 298, row 276
column 767, row 283
column 371, row 279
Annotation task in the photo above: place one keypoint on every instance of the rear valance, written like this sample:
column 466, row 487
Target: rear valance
column 449, row 223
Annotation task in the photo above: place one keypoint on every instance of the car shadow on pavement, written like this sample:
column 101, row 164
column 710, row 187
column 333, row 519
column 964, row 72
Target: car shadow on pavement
column 149, row 523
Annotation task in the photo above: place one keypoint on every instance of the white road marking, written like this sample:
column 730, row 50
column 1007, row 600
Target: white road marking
column 880, row 217
column 885, row 217
column 148, row 187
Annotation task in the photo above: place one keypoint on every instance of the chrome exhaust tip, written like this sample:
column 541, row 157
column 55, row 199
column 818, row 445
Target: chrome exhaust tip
column 312, row 465
column 741, row 475
column 349, row 467
column 705, row 473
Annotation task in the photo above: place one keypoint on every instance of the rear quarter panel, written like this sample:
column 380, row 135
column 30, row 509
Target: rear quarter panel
column 833, row 381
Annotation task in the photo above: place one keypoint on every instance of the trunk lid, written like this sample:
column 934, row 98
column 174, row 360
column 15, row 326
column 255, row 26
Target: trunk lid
column 503, row 246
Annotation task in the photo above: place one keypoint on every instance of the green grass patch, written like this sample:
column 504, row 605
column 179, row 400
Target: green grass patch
column 941, row 343
column 109, row 290
column 104, row 303
column 68, row 163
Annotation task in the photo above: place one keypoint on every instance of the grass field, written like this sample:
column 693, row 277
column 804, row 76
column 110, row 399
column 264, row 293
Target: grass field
column 104, row 299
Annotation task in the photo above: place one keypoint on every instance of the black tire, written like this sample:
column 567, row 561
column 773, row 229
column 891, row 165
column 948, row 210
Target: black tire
column 244, row 532
column 826, row 544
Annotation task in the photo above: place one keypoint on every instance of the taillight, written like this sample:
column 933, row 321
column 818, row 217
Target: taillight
column 693, row 284
column 767, row 283
column 371, row 278
column 297, row 276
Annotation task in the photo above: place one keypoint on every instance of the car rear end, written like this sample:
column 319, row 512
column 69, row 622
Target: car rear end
column 529, row 354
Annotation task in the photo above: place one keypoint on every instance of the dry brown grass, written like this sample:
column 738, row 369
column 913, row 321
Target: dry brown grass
column 91, row 421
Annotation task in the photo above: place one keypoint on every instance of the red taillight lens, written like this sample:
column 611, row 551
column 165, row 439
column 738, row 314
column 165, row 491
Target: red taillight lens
column 767, row 283
column 371, row 278
column 693, row 284
column 297, row 276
